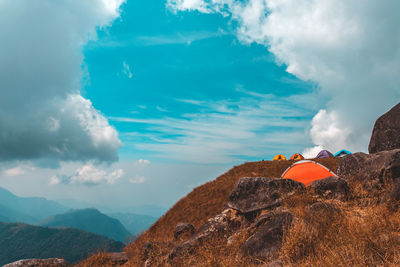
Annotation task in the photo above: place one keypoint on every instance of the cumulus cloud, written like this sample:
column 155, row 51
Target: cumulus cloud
column 42, row 114
column 18, row 170
column 350, row 48
column 88, row 175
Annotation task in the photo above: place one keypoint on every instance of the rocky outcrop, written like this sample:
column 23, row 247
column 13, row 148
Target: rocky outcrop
column 52, row 262
column 386, row 132
column 331, row 188
column 372, row 170
column 254, row 194
column 223, row 224
column 182, row 230
column 266, row 243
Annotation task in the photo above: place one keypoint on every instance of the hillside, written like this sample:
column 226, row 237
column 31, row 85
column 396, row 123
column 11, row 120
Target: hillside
column 246, row 217
column 27, row 209
column 21, row 241
column 209, row 199
column 134, row 223
column 90, row 220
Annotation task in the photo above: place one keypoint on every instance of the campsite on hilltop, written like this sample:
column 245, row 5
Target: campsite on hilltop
column 246, row 218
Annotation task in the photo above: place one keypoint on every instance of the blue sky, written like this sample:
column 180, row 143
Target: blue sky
column 123, row 103
column 153, row 64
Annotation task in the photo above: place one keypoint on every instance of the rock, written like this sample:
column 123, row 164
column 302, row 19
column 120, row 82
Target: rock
column 386, row 132
column 331, row 187
column 52, row 262
column 183, row 229
column 373, row 170
column 254, row 194
column 118, row 258
column 224, row 224
column 266, row 243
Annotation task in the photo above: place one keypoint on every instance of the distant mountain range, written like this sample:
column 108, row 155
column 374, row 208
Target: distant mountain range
column 135, row 223
column 90, row 220
column 21, row 241
column 26, row 209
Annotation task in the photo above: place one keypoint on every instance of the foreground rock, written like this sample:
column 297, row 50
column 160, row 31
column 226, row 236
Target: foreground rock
column 223, row 224
column 331, row 188
column 374, row 171
column 266, row 243
column 53, row 262
column 254, row 194
column 386, row 132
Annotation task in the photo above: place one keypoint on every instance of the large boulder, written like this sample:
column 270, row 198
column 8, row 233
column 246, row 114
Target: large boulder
column 253, row 194
column 52, row 262
column 373, row 171
column 386, row 132
column 331, row 188
column 266, row 243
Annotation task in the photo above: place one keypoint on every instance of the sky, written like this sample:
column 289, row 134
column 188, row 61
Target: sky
column 124, row 102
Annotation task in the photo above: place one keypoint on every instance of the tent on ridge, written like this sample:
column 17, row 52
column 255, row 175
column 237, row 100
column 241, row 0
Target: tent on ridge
column 297, row 156
column 306, row 172
column 324, row 154
column 342, row 153
column 279, row 157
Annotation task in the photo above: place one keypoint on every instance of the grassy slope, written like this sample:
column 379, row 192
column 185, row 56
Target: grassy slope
column 208, row 200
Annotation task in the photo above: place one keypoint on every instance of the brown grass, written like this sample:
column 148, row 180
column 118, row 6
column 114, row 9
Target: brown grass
column 202, row 203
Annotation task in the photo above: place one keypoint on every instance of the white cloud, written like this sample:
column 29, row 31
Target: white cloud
column 127, row 70
column 143, row 162
column 137, row 180
column 228, row 131
column 42, row 114
column 18, row 170
column 350, row 48
column 89, row 175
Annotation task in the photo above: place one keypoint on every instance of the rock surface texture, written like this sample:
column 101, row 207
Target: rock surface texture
column 373, row 170
column 331, row 187
column 267, row 241
column 53, row 262
column 254, row 194
column 386, row 132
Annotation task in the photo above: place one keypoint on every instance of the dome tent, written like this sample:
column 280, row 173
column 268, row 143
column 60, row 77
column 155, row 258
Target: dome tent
column 342, row 153
column 297, row 156
column 324, row 154
column 279, row 157
column 306, row 172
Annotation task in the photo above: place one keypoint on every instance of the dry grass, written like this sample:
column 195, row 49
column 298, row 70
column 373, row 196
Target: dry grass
column 202, row 203
column 100, row 259
column 359, row 232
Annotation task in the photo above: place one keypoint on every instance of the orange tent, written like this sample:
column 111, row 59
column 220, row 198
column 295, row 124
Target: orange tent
column 279, row 157
column 306, row 172
column 297, row 156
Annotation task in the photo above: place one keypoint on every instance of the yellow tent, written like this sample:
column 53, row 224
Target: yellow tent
column 279, row 157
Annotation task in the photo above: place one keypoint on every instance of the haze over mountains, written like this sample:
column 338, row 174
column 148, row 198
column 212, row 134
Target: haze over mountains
column 90, row 220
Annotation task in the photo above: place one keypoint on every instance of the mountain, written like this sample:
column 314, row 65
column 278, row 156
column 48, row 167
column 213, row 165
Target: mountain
column 27, row 209
column 135, row 223
column 90, row 220
column 22, row 241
